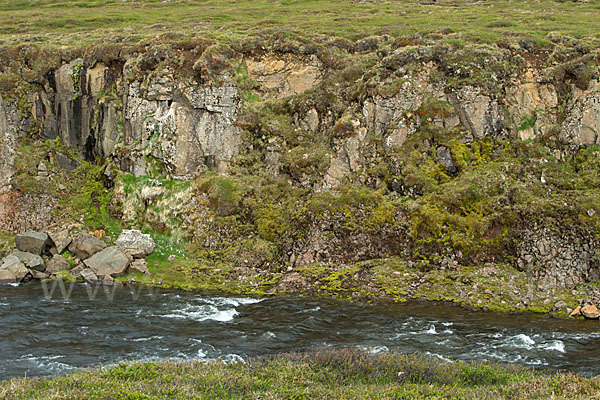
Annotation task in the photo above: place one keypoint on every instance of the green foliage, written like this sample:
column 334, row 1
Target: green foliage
column 321, row 373
column 89, row 193
column 246, row 85
column 224, row 193
column 7, row 242
column 76, row 78
column 271, row 222
column 133, row 372
column 306, row 161
column 528, row 122
column 69, row 257
column 85, row 190
column 79, row 23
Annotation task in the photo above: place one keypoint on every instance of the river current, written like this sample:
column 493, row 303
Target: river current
column 45, row 332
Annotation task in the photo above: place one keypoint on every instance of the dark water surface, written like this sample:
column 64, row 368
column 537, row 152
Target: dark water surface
column 48, row 336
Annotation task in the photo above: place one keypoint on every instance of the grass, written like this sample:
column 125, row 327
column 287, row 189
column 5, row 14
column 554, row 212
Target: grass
column 323, row 374
column 76, row 22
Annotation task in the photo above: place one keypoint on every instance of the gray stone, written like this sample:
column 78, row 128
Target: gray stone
column 40, row 275
column 31, row 261
column 66, row 162
column 13, row 270
column 42, row 169
column 33, row 242
column 135, row 243
column 8, row 143
column 61, row 240
column 77, row 269
column 108, row 280
column 89, row 276
column 445, row 157
column 478, row 112
column 85, row 245
column 111, row 261
column 56, row 264
column 139, row 266
column 561, row 305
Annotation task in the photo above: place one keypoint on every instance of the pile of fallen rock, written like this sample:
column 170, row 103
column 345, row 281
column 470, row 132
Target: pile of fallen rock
column 41, row 255
column 587, row 310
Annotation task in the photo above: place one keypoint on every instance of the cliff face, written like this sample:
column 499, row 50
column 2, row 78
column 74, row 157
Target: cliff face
column 338, row 153
column 100, row 114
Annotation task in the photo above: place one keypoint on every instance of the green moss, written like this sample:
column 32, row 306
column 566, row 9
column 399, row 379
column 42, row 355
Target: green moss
column 7, row 242
column 224, row 193
column 271, row 222
column 528, row 122
column 76, row 78
column 246, row 85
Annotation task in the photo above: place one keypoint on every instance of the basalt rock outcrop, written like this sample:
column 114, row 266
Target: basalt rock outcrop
column 434, row 153
column 96, row 261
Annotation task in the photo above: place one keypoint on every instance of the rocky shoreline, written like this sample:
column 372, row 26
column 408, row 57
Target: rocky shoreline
column 93, row 258
column 84, row 255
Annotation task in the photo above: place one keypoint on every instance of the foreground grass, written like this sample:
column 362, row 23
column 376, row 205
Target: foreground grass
column 75, row 22
column 328, row 374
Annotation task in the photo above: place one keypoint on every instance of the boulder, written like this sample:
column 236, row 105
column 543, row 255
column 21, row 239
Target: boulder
column 576, row 312
column 111, row 261
column 561, row 305
column 56, row 264
column 89, row 276
column 40, row 275
column 12, row 270
column 85, row 245
column 61, row 240
column 590, row 311
column 33, row 242
column 108, row 280
column 139, row 266
column 77, row 269
column 135, row 243
column 31, row 261
column 445, row 157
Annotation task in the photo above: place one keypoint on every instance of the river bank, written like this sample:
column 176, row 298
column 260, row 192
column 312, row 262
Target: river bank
column 327, row 374
column 479, row 288
column 488, row 287
column 107, row 325
column 458, row 164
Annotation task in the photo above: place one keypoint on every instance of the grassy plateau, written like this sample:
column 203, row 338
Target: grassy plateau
column 82, row 22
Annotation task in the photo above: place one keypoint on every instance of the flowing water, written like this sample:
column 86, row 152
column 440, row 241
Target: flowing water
column 48, row 335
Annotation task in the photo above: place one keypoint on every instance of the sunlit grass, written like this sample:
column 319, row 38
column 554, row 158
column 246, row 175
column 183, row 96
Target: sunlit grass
column 484, row 21
column 320, row 374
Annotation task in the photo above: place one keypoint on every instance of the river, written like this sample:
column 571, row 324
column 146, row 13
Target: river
column 44, row 334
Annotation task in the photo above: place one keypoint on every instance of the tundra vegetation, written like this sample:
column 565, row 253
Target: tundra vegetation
column 326, row 374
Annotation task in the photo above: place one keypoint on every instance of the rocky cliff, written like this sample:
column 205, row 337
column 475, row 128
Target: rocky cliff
column 278, row 152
